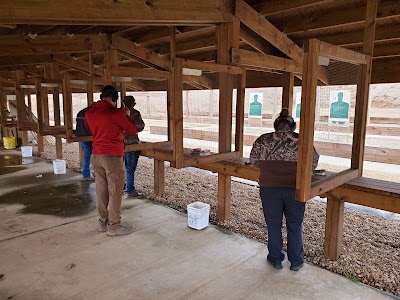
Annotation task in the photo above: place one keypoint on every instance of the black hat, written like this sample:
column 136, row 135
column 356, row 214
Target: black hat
column 129, row 101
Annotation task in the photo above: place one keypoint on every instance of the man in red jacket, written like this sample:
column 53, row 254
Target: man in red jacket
column 107, row 124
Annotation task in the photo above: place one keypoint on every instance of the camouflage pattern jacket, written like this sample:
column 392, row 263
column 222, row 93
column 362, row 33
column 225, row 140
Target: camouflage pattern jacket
column 136, row 118
column 276, row 155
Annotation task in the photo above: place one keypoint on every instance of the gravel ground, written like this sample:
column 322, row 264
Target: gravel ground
column 371, row 244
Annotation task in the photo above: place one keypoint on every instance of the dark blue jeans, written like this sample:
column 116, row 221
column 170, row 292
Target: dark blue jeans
column 131, row 160
column 277, row 201
column 87, row 152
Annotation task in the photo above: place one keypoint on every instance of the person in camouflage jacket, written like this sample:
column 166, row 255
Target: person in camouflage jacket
column 131, row 158
column 276, row 155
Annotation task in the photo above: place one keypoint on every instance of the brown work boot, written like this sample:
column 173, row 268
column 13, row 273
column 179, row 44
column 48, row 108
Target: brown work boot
column 134, row 194
column 120, row 229
column 88, row 179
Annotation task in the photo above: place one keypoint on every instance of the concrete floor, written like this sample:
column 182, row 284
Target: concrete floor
column 50, row 249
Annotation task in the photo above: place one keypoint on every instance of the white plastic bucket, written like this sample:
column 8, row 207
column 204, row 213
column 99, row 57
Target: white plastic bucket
column 198, row 215
column 59, row 166
column 26, row 151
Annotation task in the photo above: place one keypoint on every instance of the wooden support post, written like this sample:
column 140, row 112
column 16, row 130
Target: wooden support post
column 123, row 90
column 21, row 111
column 361, row 110
column 90, row 92
column 54, row 73
column 227, row 37
column 59, row 152
column 178, row 114
column 45, row 105
column 170, row 93
column 333, row 227
column 68, row 116
column 40, row 143
column 240, row 100
column 159, row 177
column 39, row 106
column 24, row 138
column 307, row 117
column 287, row 93
column 111, row 60
column 3, row 111
column 90, row 64
column 19, row 97
column 29, row 107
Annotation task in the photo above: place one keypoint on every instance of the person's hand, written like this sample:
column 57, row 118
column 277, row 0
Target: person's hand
column 127, row 111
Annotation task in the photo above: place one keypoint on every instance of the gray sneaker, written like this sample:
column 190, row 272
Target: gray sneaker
column 120, row 230
column 103, row 226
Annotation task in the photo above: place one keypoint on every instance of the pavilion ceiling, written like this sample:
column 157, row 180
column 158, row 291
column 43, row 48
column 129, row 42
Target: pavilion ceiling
column 32, row 38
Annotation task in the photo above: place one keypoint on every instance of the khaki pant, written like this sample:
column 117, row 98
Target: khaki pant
column 109, row 174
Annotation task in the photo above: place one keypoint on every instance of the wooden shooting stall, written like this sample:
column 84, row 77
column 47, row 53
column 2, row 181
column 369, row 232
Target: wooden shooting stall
column 154, row 45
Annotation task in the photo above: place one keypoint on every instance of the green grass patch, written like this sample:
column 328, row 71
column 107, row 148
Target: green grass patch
column 353, row 277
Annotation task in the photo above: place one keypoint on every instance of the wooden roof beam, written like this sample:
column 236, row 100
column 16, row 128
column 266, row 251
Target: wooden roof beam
column 136, row 85
column 343, row 18
column 187, row 33
column 382, row 50
column 131, row 58
column 141, row 53
column 201, row 82
column 249, row 17
column 124, row 12
column 252, row 59
column 140, row 73
column 270, row 33
column 272, row 7
column 8, row 26
column 256, row 41
column 79, row 65
column 382, row 33
column 205, row 56
column 49, row 44
column 155, row 35
column 21, row 60
column 197, row 45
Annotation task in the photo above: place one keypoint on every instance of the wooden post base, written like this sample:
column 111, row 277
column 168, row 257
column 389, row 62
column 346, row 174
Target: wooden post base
column 224, row 197
column 159, row 177
column 334, row 227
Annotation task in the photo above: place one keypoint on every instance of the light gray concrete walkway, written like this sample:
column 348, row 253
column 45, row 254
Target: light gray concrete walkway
column 63, row 257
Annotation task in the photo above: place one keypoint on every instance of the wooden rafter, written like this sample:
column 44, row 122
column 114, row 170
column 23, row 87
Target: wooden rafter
column 361, row 109
column 343, row 18
column 259, row 60
column 201, row 82
column 124, row 12
column 247, row 15
column 43, row 44
column 192, row 46
column 387, row 49
column 280, row 6
column 79, row 65
column 22, row 60
column 142, row 53
column 382, row 33
column 256, row 41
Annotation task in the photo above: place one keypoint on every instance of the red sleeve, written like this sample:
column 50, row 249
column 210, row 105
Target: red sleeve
column 125, row 123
